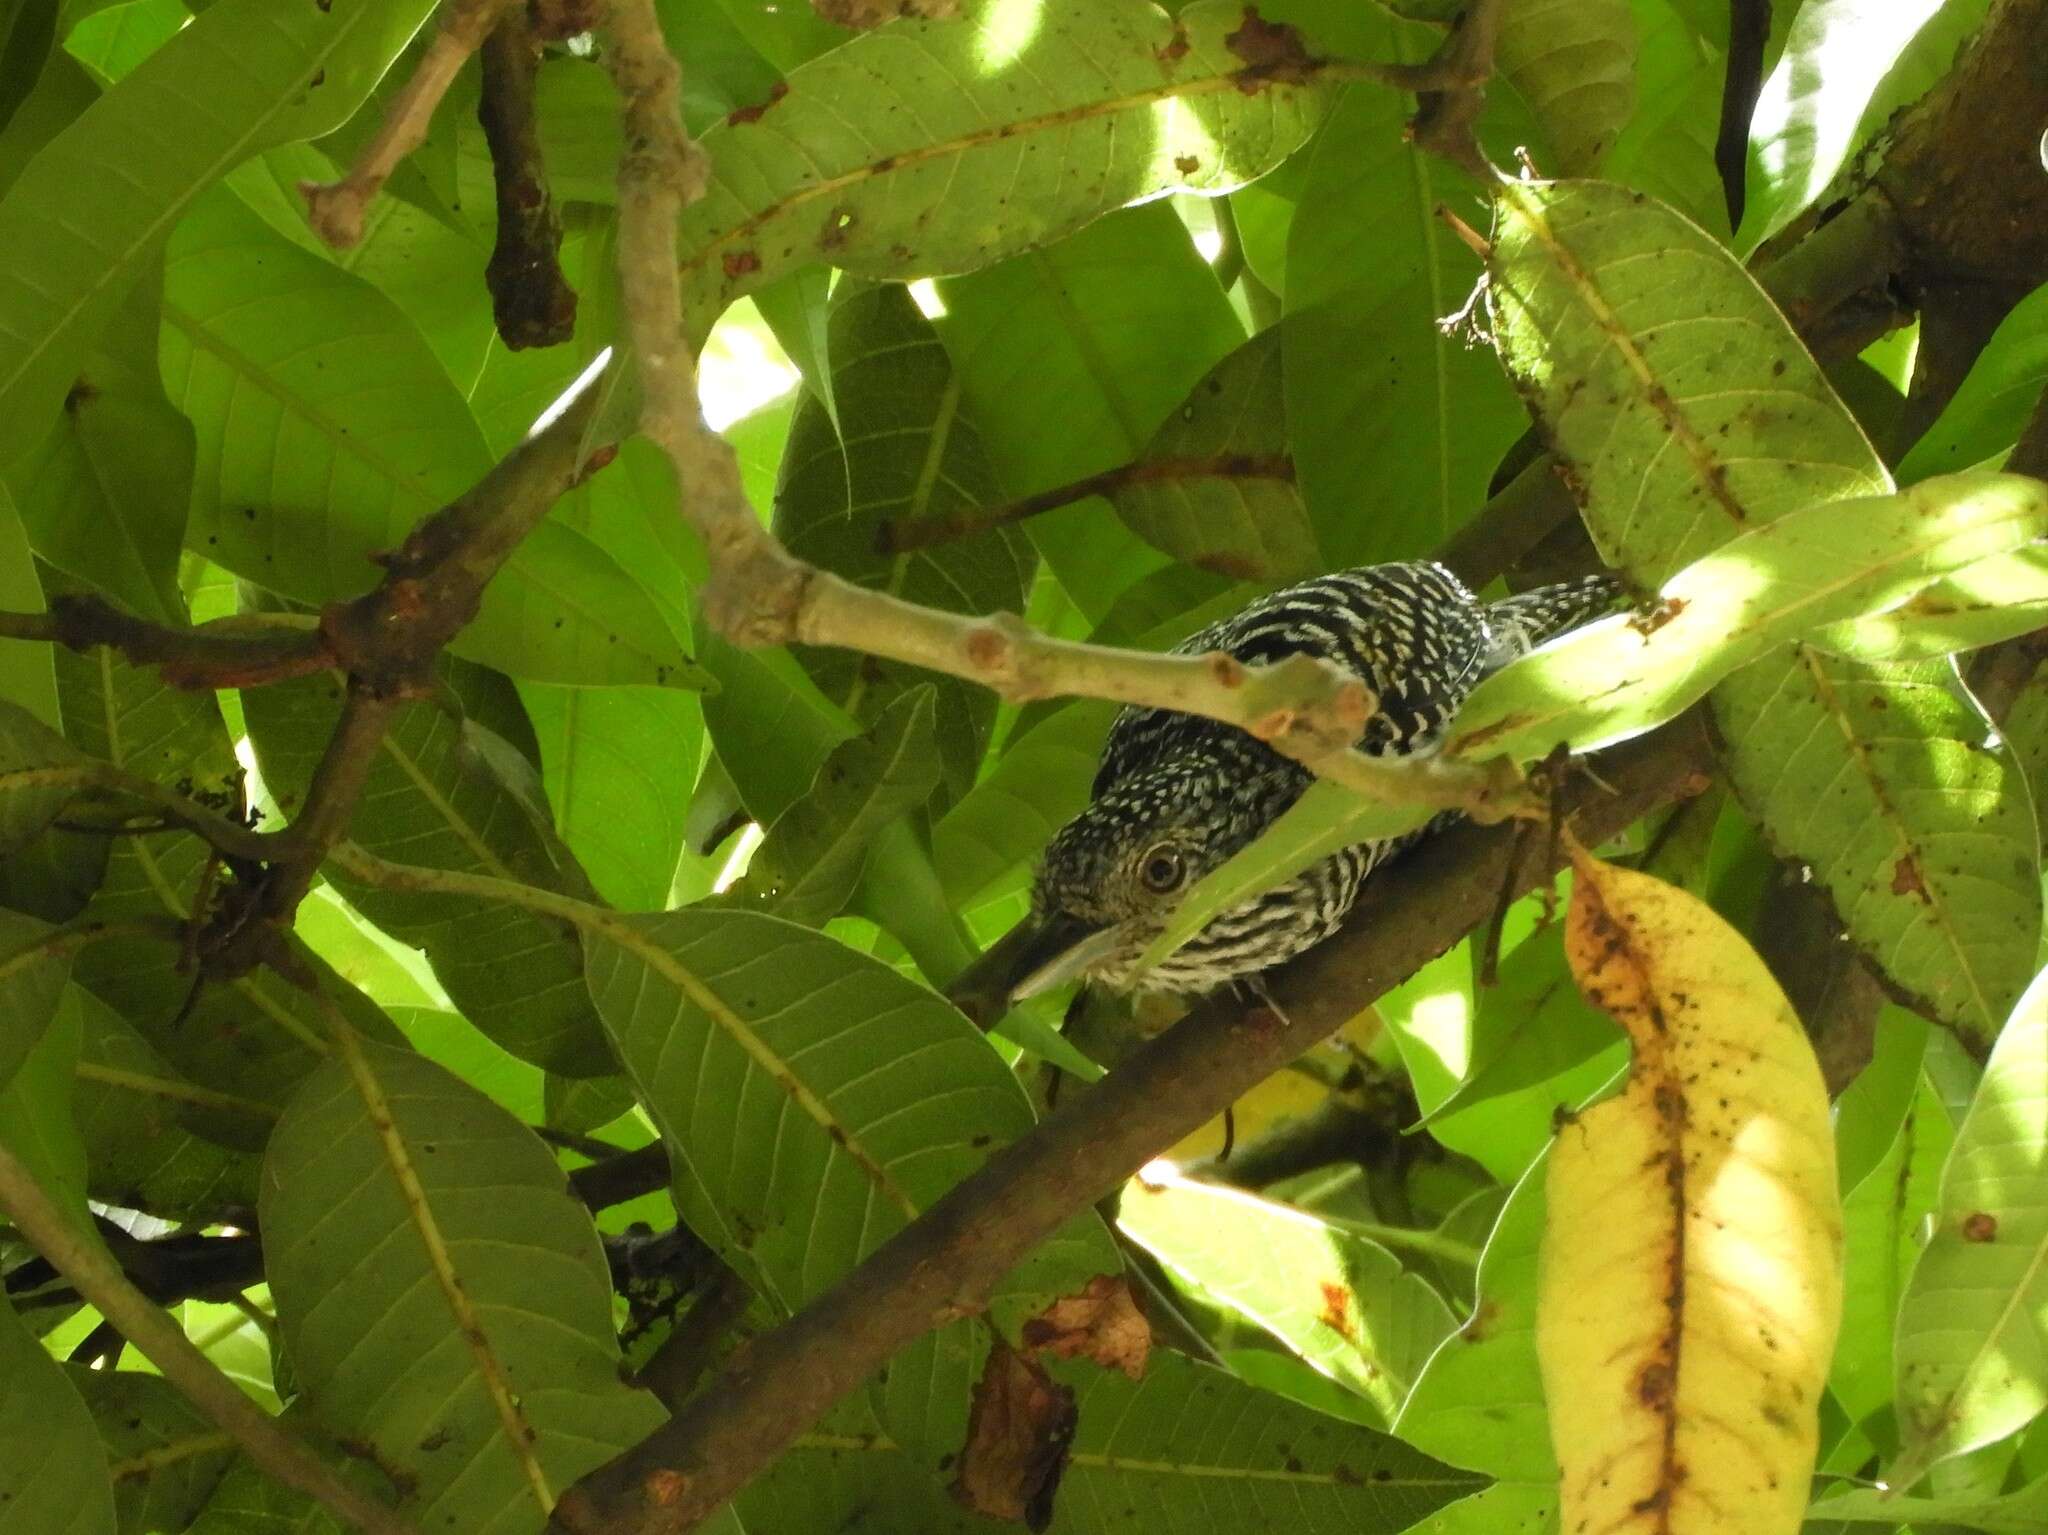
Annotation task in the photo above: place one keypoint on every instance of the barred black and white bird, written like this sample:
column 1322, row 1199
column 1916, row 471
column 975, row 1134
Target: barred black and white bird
column 1176, row 794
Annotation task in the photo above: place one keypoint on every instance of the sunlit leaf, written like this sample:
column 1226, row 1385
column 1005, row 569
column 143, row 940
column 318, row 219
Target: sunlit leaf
column 1343, row 1303
column 2021, row 1512
column 476, row 1356
column 1972, row 1346
column 1084, row 108
column 1997, row 599
column 1691, row 1270
column 1574, row 63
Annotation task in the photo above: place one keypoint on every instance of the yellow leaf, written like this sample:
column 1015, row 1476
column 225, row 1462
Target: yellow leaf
column 1691, row 1272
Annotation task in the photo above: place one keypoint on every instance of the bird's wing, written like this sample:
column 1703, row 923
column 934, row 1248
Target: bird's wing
column 1411, row 631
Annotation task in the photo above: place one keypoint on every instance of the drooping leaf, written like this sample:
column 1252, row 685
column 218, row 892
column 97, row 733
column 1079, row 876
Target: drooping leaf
column 1071, row 358
column 1479, row 1401
column 812, row 1099
column 475, row 1357
column 1691, row 1269
column 104, row 494
column 1214, row 487
column 1573, row 62
column 812, row 859
column 445, row 793
column 1804, row 126
column 619, row 765
column 53, row 1479
column 1396, row 425
column 35, row 963
column 238, row 80
column 1814, row 566
column 1088, row 108
column 1040, row 782
column 308, row 463
column 1983, row 419
column 1921, row 832
column 907, row 449
column 1972, row 1349
column 1339, row 1301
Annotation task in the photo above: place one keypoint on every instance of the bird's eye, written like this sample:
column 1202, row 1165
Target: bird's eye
column 1163, row 870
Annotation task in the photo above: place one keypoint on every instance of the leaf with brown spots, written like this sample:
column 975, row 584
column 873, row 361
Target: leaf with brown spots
column 1691, row 1273
column 1085, row 111
column 1017, row 1438
column 1972, row 1350
column 1101, row 1322
column 1343, row 1303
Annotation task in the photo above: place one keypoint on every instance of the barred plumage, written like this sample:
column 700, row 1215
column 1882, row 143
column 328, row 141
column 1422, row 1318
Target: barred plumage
column 1176, row 795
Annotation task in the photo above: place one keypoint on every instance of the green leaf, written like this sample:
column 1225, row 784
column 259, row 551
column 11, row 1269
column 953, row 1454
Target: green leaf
column 30, row 754
column 1090, row 105
column 35, row 964
column 619, row 765
column 1536, row 1047
column 1672, row 391
column 1972, row 1348
column 772, row 727
column 1881, row 780
column 53, row 1479
column 1039, row 783
column 241, row 78
column 135, row 1113
column 1624, row 674
column 444, row 793
column 813, row 1100
column 1479, row 1402
column 1983, row 419
column 812, row 860
column 907, row 450
column 104, row 495
column 1199, row 1450
column 36, row 1124
column 1883, row 1218
column 1070, row 359
column 1804, row 126
column 1667, row 146
column 2021, row 1512
column 1396, row 425
column 26, row 680
column 1342, row 1303
column 1996, row 599
column 166, row 1454
column 1215, row 486
column 1573, row 62
column 475, row 1358
column 312, row 456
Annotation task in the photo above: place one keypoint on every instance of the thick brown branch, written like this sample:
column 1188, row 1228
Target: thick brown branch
column 950, row 1258
column 530, row 298
column 336, row 210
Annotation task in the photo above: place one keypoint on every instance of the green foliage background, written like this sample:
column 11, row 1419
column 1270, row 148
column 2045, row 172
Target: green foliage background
column 943, row 266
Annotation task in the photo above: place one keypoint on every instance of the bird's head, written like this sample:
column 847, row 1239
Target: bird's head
column 1112, row 877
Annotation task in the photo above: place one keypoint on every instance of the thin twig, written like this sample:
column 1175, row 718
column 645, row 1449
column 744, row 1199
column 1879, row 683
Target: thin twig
column 228, row 653
column 531, row 300
column 336, row 210
column 92, row 1271
column 900, row 536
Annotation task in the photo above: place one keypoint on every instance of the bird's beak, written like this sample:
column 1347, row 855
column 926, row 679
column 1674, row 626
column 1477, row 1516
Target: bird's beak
column 1056, row 949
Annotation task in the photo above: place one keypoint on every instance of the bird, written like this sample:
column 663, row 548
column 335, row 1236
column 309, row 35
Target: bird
column 1175, row 794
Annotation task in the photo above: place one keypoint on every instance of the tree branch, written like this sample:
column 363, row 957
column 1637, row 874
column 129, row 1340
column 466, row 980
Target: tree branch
column 336, row 210
column 951, row 1257
column 97, row 1277
column 227, row 653
column 531, row 300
